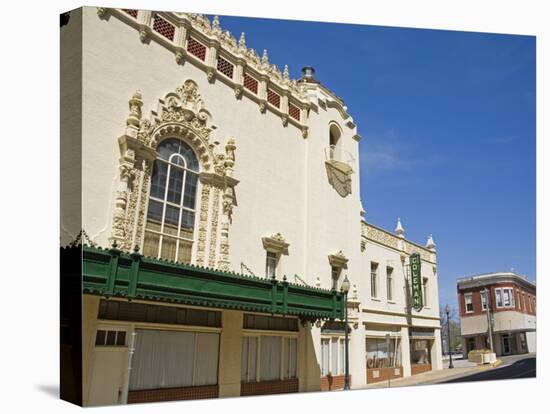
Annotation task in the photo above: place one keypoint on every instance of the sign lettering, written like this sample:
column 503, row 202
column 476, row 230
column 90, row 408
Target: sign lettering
column 416, row 279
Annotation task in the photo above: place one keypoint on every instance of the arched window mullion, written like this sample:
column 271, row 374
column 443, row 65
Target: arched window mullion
column 164, row 204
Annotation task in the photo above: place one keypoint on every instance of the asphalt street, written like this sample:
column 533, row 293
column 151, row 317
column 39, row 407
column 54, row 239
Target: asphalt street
column 523, row 368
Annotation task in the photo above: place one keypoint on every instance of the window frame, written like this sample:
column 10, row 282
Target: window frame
column 337, row 359
column 374, row 280
column 180, row 235
column 501, row 299
column 284, row 336
column 389, row 283
column 483, row 299
column 274, row 258
column 469, row 296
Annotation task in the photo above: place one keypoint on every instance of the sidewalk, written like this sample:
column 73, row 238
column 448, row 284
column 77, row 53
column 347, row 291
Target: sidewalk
column 431, row 377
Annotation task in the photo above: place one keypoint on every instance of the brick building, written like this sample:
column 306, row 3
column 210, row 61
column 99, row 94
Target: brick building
column 511, row 302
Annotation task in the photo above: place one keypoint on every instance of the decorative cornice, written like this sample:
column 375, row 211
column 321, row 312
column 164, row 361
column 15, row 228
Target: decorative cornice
column 276, row 244
column 222, row 42
column 370, row 232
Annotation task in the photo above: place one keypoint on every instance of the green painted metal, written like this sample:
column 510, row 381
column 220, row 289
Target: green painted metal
column 416, row 276
column 112, row 272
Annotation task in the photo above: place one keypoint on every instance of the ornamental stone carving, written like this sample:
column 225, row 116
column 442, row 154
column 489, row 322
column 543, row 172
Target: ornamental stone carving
column 180, row 114
column 338, row 260
column 276, row 243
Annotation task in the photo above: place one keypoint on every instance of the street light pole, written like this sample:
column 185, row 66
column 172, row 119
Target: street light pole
column 449, row 337
column 345, row 290
column 489, row 324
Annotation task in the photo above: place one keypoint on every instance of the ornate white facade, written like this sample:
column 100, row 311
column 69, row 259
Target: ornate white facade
column 278, row 173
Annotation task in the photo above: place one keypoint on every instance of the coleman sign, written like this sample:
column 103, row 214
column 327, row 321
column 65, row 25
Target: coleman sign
column 416, row 278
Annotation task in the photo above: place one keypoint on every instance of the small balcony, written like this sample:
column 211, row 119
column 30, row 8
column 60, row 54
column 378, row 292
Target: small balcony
column 338, row 164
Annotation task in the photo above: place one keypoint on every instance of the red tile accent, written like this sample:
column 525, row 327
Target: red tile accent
column 269, row 387
column 225, row 67
column 331, row 383
column 383, row 374
column 173, row 394
column 131, row 12
column 250, row 83
column 419, row 368
column 294, row 111
column 273, row 98
column 164, row 28
column 196, row 49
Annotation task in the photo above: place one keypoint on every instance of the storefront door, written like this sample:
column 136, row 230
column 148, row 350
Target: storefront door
column 506, row 344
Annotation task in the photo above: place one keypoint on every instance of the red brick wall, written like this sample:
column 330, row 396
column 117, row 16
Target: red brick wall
column 419, row 368
column 173, row 394
column 384, row 374
column 269, row 387
column 476, row 299
column 331, row 383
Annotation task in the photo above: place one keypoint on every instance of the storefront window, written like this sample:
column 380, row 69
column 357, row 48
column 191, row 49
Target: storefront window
column 420, row 351
column 382, row 353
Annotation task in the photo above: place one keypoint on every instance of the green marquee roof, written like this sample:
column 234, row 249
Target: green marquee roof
column 114, row 273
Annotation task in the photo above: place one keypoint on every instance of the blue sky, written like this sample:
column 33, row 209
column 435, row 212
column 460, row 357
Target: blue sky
column 448, row 126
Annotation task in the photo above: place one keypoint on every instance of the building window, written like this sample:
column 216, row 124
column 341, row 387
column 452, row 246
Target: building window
column 270, row 264
column 505, row 297
column 389, row 282
column 335, row 276
column 196, row 49
column 268, row 358
column 274, row 98
column 170, row 221
column 131, row 12
column 294, row 111
column 469, row 305
column 332, row 356
column 373, row 280
column 425, row 290
column 225, row 67
column 250, row 83
column 380, row 356
column 172, row 359
column 420, row 351
column 110, row 338
column 334, row 142
column 164, row 28
column 270, row 323
column 483, row 295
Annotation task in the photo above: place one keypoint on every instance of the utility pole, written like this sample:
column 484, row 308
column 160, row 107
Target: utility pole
column 489, row 324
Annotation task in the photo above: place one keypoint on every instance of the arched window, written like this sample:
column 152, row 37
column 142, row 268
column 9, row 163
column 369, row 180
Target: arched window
column 171, row 214
column 334, row 142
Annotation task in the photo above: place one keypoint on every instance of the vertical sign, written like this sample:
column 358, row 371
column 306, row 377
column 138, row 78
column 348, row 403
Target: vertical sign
column 416, row 277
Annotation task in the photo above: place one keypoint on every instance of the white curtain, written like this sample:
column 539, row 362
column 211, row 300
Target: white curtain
column 165, row 359
column 270, row 358
column 206, row 359
column 289, row 361
column 248, row 359
column 334, row 349
column 324, row 356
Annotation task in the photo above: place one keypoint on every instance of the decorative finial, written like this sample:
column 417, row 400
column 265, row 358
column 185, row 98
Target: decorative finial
column 242, row 41
column 285, row 73
column 430, row 244
column 136, row 249
column 216, row 24
column 399, row 230
column 265, row 59
column 114, row 245
column 134, row 104
column 318, row 282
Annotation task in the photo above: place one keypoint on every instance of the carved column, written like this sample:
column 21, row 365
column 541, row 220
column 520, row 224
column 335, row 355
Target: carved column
column 203, row 223
column 180, row 39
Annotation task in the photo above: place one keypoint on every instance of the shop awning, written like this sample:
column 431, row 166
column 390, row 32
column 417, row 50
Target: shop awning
column 114, row 273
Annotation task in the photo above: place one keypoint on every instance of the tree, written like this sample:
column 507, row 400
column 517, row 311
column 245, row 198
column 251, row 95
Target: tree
column 454, row 322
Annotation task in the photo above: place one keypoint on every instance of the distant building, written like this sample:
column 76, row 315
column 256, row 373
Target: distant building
column 512, row 309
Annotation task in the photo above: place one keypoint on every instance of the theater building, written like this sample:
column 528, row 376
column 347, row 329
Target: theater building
column 219, row 213
column 510, row 300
